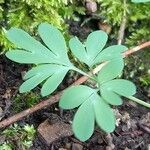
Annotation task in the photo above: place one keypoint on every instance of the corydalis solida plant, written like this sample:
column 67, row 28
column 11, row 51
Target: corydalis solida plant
column 52, row 64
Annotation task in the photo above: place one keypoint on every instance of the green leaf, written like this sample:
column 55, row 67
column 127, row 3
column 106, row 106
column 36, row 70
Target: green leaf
column 120, row 86
column 52, row 83
column 75, row 96
column 23, row 40
column 39, row 53
column 54, row 74
column 104, row 115
column 94, row 44
column 41, row 70
column 91, row 53
column 78, row 49
column 53, row 38
column 110, row 53
column 83, row 122
column 32, row 83
column 53, row 62
column 111, row 70
column 111, row 97
column 140, row 1
column 23, row 57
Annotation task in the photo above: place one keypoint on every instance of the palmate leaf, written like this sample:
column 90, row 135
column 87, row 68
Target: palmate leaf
column 112, row 90
column 92, row 106
column 94, row 44
column 35, row 51
column 53, row 62
column 105, row 78
column 52, row 73
column 54, row 40
column 91, row 52
column 83, row 124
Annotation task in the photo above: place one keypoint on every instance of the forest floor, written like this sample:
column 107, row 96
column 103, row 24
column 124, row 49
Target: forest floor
column 133, row 121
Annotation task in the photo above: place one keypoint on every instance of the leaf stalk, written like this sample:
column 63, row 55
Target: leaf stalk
column 139, row 101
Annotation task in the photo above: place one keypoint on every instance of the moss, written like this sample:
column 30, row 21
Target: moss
column 28, row 14
column 16, row 137
column 23, row 101
column 138, row 18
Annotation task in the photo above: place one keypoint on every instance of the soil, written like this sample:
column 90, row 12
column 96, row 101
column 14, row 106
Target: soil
column 132, row 132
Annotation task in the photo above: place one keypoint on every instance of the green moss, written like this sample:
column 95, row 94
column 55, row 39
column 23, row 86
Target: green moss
column 23, row 101
column 17, row 137
column 28, row 14
column 145, row 80
column 137, row 15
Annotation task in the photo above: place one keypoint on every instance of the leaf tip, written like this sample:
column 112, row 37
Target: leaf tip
column 43, row 93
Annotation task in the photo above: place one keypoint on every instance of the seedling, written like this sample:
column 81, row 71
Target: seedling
column 52, row 64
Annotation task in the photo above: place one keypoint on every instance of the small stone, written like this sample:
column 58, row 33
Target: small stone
column 91, row 6
column 76, row 146
column 52, row 132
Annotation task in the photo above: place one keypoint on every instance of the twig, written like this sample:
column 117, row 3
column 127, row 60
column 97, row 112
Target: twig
column 55, row 98
column 137, row 48
column 123, row 26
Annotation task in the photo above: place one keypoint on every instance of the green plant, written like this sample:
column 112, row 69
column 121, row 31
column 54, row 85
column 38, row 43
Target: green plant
column 145, row 79
column 137, row 18
column 27, row 14
column 17, row 137
column 26, row 100
column 53, row 64
column 6, row 146
column 137, row 36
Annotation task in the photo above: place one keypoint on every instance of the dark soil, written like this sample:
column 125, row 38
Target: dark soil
column 132, row 132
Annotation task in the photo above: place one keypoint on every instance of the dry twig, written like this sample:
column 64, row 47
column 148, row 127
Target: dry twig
column 123, row 25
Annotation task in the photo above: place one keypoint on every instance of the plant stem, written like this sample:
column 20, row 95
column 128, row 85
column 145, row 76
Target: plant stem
column 80, row 71
column 139, row 101
column 84, row 73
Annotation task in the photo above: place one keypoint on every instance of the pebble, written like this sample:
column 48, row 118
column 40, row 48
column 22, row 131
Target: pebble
column 91, row 6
